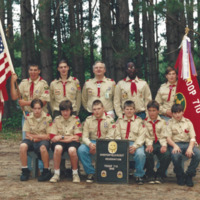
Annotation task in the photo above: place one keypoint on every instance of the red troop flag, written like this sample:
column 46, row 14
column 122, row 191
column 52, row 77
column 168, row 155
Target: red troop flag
column 188, row 92
column 5, row 70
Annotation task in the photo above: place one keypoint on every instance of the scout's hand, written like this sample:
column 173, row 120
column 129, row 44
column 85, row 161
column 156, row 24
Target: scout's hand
column 176, row 149
column 14, row 78
column 149, row 149
column 56, row 138
column 132, row 149
column 75, row 138
column 92, row 148
column 189, row 153
column 163, row 149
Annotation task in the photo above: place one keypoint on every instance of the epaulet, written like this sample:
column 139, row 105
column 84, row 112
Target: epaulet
column 88, row 80
column 124, row 79
column 89, row 117
column 27, row 114
column 146, row 118
column 48, row 114
column 41, row 78
column 58, row 117
column 24, row 80
column 74, row 78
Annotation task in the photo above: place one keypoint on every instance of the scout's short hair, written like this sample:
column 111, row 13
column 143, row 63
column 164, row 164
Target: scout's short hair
column 153, row 104
column 66, row 105
column 99, row 62
column 36, row 101
column 176, row 108
column 33, row 65
column 63, row 60
column 170, row 69
column 129, row 103
column 97, row 102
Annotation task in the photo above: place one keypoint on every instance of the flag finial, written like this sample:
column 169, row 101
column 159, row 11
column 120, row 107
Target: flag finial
column 187, row 31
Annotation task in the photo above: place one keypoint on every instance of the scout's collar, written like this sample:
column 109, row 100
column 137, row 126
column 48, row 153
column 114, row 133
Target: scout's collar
column 103, row 116
column 148, row 119
column 132, row 118
column 66, row 120
column 68, row 80
column 127, row 79
column 43, row 114
column 168, row 84
column 183, row 119
column 95, row 80
column 36, row 81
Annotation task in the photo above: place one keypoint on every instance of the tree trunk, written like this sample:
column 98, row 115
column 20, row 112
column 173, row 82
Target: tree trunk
column 76, row 44
column 106, row 37
column 27, row 36
column 91, row 37
column 58, row 28
column 121, row 38
column 138, row 48
column 46, row 40
column 2, row 13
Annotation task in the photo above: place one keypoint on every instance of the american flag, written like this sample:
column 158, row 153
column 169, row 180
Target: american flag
column 5, row 72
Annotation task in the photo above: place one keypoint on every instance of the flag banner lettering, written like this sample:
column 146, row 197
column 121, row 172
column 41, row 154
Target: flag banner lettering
column 188, row 92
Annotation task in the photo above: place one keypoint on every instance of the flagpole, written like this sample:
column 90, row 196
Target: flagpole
column 6, row 47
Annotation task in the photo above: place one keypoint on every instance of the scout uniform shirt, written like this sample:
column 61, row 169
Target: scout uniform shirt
column 103, row 128
column 155, row 131
column 102, row 90
column 37, row 126
column 131, row 129
column 166, row 98
column 180, row 131
column 123, row 92
column 71, row 126
column 70, row 90
column 37, row 89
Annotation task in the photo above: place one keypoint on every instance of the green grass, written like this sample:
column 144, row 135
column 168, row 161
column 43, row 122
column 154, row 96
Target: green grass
column 11, row 135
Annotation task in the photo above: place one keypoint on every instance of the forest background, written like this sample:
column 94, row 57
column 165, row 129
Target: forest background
column 147, row 32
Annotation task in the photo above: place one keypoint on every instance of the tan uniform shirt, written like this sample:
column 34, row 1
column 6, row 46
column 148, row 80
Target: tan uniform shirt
column 123, row 93
column 41, row 91
column 90, row 128
column 90, row 93
column 69, row 127
column 137, row 130
column 180, row 131
column 162, row 96
column 72, row 93
column 37, row 126
column 160, row 127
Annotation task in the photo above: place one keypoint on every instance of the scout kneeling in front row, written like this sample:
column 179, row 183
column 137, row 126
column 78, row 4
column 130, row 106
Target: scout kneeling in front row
column 130, row 127
column 67, row 130
column 181, row 138
column 156, row 144
column 37, row 129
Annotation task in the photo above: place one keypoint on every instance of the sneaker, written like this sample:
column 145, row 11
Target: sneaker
column 188, row 181
column 76, row 178
column 151, row 180
column 55, row 178
column 159, row 180
column 139, row 180
column 25, row 174
column 90, row 178
column 46, row 175
column 180, row 180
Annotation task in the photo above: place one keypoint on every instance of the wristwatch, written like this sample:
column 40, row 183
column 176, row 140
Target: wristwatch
column 62, row 138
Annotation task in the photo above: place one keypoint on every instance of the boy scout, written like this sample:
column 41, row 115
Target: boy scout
column 167, row 92
column 132, row 88
column 31, row 88
column 101, row 88
column 98, row 125
column 181, row 138
column 67, row 130
column 156, row 144
column 130, row 127
column 65, row 87
column 37, row 128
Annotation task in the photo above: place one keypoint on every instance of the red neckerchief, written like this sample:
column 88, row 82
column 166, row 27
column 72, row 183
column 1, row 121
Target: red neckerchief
column 170, row 91
column 98, row 88
column 154, row 129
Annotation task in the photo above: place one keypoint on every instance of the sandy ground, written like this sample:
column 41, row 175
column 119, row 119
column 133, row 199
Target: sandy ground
column 11, row 188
